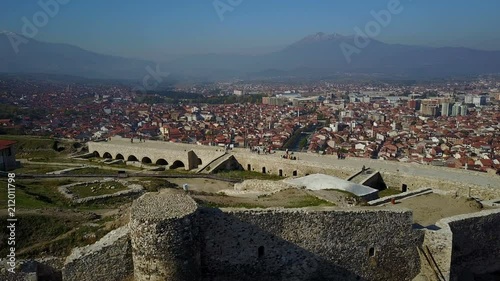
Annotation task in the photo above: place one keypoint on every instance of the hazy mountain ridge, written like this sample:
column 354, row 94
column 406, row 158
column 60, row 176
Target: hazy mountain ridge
column 56, row 58
column 318, row 54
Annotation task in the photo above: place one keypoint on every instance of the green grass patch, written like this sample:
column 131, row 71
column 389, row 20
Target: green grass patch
column 98, row 162
column 123, row 166
column 180, row 171
column 82, row 236
column 305, row 201
column 39, row 155
column 36, row 169
column 96, row 189
column 33, row 229
column 289, row 198
column 92, row 171
column 154, row 184
column 40, row 149
column 29, row 142
column 388, row 192
column 246, row 175
column 32, row 194
column 109, row 203
column 204, row 193
column 347, row 193
column 308, row 201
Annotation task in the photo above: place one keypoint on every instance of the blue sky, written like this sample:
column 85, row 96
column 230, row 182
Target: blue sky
column 153, row 28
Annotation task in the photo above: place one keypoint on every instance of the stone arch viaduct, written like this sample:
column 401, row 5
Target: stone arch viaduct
column 172, row 155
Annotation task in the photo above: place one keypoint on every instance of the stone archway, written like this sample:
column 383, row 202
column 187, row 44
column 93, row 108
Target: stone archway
column 161, row 162
column 146, row 160
column 177, row 164
column 132, row 158
column 107, row 155
column 119, row 157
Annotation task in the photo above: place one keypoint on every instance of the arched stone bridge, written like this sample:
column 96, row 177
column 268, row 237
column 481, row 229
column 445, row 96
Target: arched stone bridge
column 172, row 155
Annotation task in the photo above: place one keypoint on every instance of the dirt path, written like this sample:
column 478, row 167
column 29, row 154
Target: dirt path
column 428, row 209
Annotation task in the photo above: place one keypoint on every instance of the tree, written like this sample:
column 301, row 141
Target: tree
column 302, row 143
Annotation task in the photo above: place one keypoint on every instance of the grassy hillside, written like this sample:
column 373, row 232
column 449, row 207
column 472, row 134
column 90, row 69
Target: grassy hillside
column 40, row 148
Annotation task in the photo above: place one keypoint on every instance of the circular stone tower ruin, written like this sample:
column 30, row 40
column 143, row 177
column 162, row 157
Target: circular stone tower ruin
column 163, row 232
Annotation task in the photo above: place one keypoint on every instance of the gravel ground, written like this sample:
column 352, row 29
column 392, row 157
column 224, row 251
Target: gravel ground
column 428, row 209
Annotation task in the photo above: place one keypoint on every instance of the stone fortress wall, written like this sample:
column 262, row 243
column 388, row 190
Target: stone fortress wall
column 173, row 239
column 475, row 243
column 173, row 155
column 169, row 237
column 395, row 179
column 172, row 236
column 395, row 175
column 164, row 235
column 464, row 246
column 301, row 244
column 109, row 259
column 450, row 186
column 286, row 167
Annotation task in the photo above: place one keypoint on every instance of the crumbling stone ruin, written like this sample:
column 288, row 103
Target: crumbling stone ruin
column 170, row 237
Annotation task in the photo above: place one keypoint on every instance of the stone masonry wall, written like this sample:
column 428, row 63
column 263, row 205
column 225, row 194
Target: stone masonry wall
column 301, row 168
column 476, row 244
column 274, row 165
column 156, row 150
column 395, row 180
column 301, row 244
column 465, row 245
column 439, row 244
column 177, row 239
column 109, row 259
column 163, row 231
column 461, row 189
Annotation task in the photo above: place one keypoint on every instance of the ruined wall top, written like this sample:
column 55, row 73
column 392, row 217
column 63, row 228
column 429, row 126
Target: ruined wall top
column 156, row 207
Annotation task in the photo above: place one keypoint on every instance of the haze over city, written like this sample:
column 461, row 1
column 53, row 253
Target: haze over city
column 158, row 29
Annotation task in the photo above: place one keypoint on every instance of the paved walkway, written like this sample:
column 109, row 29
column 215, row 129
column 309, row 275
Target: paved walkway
column 161, row 144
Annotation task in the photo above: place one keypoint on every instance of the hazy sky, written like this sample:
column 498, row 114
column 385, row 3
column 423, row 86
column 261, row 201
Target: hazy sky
column 151, row 28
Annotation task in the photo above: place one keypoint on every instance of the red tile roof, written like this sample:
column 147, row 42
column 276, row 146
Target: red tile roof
column 6, row 143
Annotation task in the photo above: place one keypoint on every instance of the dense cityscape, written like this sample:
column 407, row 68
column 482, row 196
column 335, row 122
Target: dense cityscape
column 452, row 124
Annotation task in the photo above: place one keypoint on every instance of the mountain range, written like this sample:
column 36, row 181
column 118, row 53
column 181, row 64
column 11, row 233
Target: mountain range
column 315, row 56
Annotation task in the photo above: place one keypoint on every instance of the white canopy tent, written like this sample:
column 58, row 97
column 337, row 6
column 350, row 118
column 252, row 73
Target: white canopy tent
column 321, row 181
